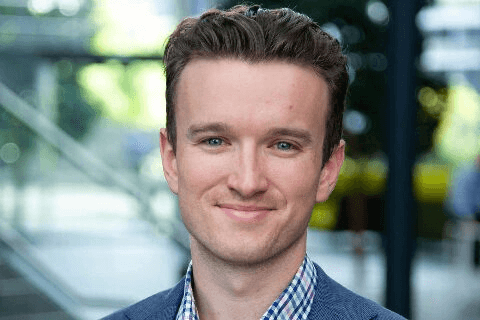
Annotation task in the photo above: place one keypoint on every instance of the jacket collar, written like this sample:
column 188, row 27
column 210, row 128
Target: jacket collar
column 161, row 306
column 333, row 301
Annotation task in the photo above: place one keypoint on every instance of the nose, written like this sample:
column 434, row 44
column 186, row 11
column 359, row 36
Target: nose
column 247, row 176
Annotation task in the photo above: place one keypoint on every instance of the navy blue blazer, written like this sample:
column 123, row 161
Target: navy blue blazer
column 331, row 301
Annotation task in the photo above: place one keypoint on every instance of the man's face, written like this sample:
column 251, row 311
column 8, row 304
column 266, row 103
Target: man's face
column 248, row 165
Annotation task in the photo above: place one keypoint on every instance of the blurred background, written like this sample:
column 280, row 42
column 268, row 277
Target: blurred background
column 87, row 223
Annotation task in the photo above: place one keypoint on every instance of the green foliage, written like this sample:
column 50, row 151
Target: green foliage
column 132, row 94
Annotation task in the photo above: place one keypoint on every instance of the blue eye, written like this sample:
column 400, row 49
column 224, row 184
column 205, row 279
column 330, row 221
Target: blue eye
column 214, row 142
column 282, row 145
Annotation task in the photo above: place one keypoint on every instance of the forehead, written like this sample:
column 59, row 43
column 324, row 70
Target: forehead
column 278, row 90
column 231, row 63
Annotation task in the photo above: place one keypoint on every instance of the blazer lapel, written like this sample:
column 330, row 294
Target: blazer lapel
column 333, row 301
column 162, row 306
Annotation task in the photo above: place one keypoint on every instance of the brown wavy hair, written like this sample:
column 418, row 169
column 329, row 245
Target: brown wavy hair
column 254, row 35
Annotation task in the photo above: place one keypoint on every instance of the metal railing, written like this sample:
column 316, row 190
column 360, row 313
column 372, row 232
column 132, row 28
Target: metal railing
column 93, row 166
column 17, row 250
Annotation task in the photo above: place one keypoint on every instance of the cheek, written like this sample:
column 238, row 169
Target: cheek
column 198, row 171
column 297, row 179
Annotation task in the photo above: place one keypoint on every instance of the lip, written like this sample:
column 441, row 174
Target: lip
column 245, row 213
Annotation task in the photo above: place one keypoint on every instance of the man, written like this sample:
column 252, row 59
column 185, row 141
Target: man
column 254, row 120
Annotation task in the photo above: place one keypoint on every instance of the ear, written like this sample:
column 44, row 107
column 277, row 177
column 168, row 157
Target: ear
column 169, row 161
column 330, row 172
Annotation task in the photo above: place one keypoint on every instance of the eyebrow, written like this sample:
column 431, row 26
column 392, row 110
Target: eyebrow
column 216, row 127
column 296, row 133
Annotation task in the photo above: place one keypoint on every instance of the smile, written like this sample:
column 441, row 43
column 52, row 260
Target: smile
column 245, row 214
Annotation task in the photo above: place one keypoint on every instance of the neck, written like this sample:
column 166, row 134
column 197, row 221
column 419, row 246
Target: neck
column 228, row 290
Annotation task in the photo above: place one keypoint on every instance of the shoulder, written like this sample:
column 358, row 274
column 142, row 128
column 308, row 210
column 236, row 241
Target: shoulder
column 334, row 301
column 163, row 305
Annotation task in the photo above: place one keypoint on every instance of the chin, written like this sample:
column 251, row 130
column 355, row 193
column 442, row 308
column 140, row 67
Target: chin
column 243, row 254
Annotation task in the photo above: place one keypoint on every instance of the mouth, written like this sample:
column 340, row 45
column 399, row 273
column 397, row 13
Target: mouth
column 245, row 213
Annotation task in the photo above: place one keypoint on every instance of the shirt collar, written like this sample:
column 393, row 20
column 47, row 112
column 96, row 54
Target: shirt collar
column 187, row 310
column 294, row 302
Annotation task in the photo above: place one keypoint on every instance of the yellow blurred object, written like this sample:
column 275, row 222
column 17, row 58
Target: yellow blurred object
column 457, row 137
column 430, row 182
column 367, row 176
column 374, row 177
column 428, row 97
column 432, row 101
column 324, row 215
column 347, row 177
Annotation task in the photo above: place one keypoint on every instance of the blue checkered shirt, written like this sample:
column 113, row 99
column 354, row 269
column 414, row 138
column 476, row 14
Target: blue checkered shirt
column 294, row 302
